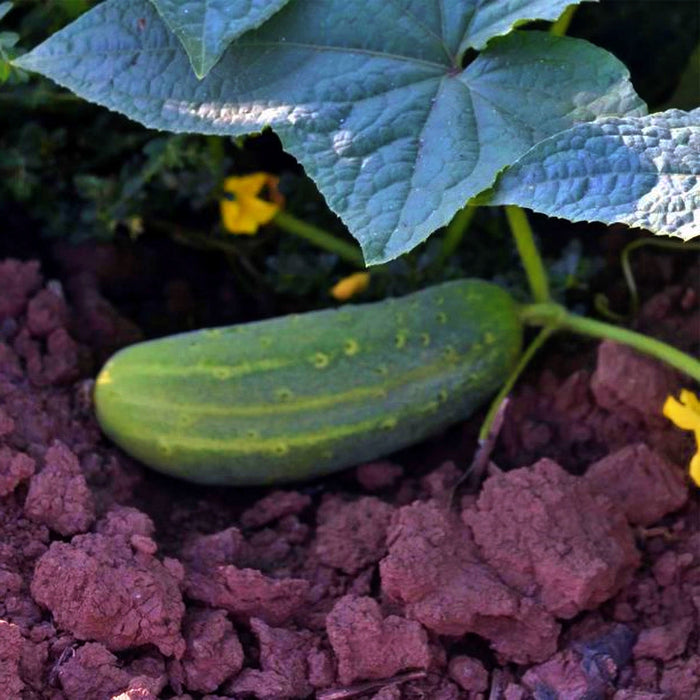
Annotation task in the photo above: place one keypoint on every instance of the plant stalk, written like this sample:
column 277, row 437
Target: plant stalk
column 513, row 377
column 529, row 255
column 626, row 263
column 561, row 26
column 455, row 232
column 320, row 238
column 556, row 316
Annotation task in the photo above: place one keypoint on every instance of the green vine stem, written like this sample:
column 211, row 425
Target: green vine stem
column 552, row 315
column 529, row 255
column 320, row 238
column 513, row 377
column 561, row 26
column 626, row 265
column 455, row 233
column 601, row 304
column 287, row 222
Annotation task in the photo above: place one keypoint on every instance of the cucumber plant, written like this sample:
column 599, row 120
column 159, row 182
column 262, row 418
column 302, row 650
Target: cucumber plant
column 400, row 127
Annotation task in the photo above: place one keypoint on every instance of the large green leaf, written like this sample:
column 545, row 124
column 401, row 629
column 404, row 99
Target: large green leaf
column 370, row 97
column 207, row 27
column 484, row 19
column 641, row 171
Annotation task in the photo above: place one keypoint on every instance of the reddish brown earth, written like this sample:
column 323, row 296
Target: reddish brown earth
column 575, row 574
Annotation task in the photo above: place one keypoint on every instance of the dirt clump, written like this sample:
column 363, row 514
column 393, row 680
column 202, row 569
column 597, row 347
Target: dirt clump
column 640, row 482
column 213, row 652
column 18, row 282
column 369, row 645
column 247, row 593
column 631, row 385
column 433, row 567
column 351, row 536
column 10, row 654
column 104, row 589
column 547, row 535
column 47, row 312
column 94, row 672
column 59, row 495
column 284, row 657
column 469, row 674
column 665, row 642
column 15, row 467
column 275, row 506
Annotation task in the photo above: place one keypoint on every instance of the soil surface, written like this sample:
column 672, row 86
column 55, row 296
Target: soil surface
column 574, row 572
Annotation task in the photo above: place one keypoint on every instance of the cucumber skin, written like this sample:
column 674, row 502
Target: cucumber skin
column 300, row 396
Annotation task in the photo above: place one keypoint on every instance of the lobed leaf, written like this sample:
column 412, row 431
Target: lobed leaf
column 371, row 98
column 485, row 20
column 207, row 27
column 641, row 171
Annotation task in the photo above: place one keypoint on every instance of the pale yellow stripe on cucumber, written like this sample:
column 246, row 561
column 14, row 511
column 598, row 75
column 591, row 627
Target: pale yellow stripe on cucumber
column 275, row 446
column 285, row 403
column 216, row 371
column 289, row 404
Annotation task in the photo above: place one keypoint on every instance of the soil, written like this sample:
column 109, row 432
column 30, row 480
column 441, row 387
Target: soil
column 574, row 572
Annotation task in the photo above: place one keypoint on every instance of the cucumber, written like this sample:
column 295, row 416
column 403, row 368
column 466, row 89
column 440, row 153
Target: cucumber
column 304, row 395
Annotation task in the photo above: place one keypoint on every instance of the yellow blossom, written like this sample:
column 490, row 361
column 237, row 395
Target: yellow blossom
column 350, row 286
column 686, row 415
column 243, row 211
column 134, row 225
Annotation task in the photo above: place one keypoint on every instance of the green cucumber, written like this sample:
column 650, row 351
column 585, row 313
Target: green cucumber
column 304, row 395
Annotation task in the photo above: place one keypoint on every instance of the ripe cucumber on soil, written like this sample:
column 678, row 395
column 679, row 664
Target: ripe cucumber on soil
column 300, row 396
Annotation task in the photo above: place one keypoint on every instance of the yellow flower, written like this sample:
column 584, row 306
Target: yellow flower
column 686, row 415
column 134, row 225
column 350, row 286
column 242, row 208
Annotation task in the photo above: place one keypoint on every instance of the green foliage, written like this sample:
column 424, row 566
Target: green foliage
column 207, row 27
column 84, row 185
column 396, row 134
column 170, row 173
column 9, row 51
column 643, row 171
